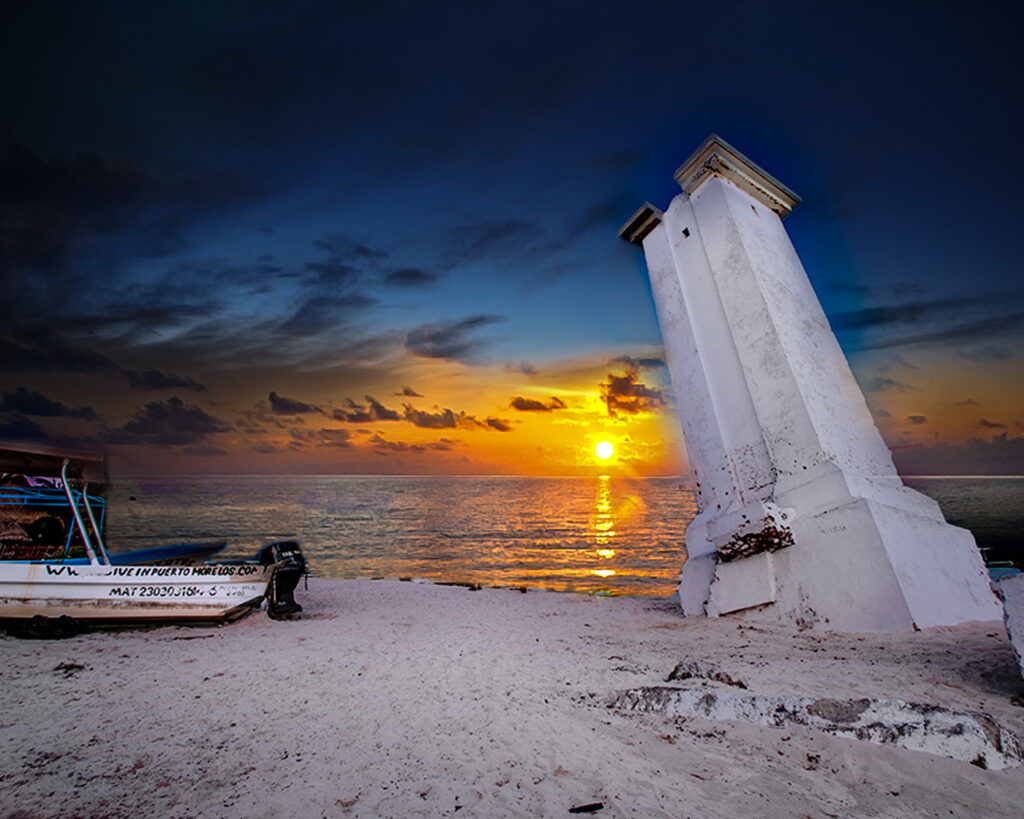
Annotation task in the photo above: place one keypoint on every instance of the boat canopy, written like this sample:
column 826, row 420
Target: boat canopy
column 48, row 462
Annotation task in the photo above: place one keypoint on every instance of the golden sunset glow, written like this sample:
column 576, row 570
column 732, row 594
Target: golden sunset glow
column 440, row 417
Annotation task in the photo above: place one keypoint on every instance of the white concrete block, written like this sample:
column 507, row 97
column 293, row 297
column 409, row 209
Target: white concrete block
column 742, row 584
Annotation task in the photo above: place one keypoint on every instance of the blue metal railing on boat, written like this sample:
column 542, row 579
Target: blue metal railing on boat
column 93, row 507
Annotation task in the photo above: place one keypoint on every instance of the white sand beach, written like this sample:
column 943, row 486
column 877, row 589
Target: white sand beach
column 399, row 699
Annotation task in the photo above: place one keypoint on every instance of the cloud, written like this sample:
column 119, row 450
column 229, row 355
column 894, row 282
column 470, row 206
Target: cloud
column 357, row 414
column 859, row 290
column 335, row 293
column 333, row 272
column 324, row 437
column 532, row 405
column 516, row 240
column 410, row 277
column 449, row 419
column 524, row 367
column 156, row 380
column 970, row 402
column 607, row 214
column 338, row 246
column 279, row 405
column 16, row 427
column 409, row 392
column 166, row 423
column 902, row 361
column 917, row 419
column 638, row 363
column 63, row 215
column 43, row 350
column 987, row 352
column 321, row 313
column 441, row 445
column 931, row 322
column 448, row 340
column 380, row 412
column 625, row 393
column 35, row 403
column 53, row 200
column 340, row 438
column 964, row 331
column 881, row 384
column 504, row 238
column 909, row 313
column 345, row 260
column 265, row 448
column 984, row 422
column 446, row 419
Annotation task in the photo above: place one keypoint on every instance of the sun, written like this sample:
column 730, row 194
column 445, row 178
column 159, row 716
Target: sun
column 604, row 450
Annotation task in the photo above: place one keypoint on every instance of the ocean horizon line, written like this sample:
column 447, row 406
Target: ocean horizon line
column 405, row 475
column 127, row 475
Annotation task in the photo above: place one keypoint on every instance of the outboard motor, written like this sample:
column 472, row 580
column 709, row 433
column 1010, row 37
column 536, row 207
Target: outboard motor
column 289, row 567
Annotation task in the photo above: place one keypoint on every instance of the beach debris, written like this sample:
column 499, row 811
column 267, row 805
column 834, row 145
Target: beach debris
column 42, row 759
column 70, row 669
column 1010, row 591
column 464, row 584
column 969, row 736
column 697, row 670
column 592, row 807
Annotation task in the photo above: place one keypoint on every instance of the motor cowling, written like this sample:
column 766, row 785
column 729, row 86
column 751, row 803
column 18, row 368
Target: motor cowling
column 289, row 567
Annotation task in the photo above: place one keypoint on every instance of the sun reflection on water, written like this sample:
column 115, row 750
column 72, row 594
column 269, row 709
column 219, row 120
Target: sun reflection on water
column 604, row 519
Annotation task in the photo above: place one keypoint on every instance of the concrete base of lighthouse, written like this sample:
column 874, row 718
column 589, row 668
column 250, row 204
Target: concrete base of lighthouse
column 803, row 517
column 862, row 565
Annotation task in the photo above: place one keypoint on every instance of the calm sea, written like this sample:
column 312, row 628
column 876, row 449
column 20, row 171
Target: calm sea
column 607, row 535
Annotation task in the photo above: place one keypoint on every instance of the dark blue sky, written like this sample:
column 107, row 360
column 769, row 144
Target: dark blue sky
column 206, row 202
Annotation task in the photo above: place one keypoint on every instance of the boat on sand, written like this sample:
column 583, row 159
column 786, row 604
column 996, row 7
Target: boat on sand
column 147, row 586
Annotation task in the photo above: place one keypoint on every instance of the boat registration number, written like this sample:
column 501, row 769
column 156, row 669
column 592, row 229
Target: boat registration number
column 179, row 591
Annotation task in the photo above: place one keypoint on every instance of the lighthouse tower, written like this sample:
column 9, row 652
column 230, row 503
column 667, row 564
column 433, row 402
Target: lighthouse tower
column 803, row 518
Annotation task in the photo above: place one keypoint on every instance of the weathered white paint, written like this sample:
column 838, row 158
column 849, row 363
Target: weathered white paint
column 130, row 593
column 777, row 431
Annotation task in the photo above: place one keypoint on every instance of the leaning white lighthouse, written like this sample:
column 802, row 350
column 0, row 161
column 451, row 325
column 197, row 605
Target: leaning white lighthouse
column 803, row 517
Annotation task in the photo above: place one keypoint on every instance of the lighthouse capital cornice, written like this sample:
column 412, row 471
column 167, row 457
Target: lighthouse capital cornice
column 716, row 157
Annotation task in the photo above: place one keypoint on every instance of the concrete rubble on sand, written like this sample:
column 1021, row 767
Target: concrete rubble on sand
column 968, row 736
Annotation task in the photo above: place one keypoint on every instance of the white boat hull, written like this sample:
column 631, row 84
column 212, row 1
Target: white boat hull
column 131, row 593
